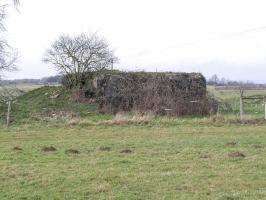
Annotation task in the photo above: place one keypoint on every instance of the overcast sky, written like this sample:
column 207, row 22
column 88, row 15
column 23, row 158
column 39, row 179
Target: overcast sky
column 224, row 37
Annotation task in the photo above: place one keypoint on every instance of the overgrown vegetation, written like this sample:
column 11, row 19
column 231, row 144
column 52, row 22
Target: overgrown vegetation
column 161, row 93
column 55, row 102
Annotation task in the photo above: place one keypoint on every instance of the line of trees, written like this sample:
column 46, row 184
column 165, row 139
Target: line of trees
column 45, row 80
column 215, row 80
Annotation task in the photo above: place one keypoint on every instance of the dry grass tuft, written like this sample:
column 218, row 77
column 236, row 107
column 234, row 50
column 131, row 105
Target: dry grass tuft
column 236, row 154
column 146, row 118
column 249, row 120
column 72, row 121
column 101, row 188
column 48, row 149
column 122, row 118
column 72, row 151
column 16, row 148
column 126, row 151
column 231, row 143
column 104, row 148
column 119, row 119
column 257, row 146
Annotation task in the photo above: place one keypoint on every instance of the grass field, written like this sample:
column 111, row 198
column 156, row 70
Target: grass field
column 25, row 87
column 162, row 159
column 229, row 99
column 81, row 154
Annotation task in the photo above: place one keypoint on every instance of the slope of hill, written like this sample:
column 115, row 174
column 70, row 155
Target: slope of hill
column 47, row 101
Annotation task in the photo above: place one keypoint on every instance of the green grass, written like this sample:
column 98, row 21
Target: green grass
column 28, row 87
column 45, row 102
column 37, row 103
column 229, row 99
column 171, row 158
column 22, row 87
column 186, row 159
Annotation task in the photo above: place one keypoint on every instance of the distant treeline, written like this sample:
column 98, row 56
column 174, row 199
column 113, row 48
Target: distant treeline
column 46, row 80
column 214, row 80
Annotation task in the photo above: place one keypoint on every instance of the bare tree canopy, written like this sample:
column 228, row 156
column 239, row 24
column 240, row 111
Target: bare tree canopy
column 8, row 55
column 80, row 54
column 3, row 13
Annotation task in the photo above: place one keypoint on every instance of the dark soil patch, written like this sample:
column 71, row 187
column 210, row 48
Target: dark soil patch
column 236, row 154
column 12, row 176
column 104, row 148
column 72, row 151
column 205, row 156
column 126, row 151
column 48, row 149
column 17, row 148
column 257, row 146
column 231, row 143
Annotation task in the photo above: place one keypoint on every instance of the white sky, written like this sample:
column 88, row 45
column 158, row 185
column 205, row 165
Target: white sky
column 226, row 37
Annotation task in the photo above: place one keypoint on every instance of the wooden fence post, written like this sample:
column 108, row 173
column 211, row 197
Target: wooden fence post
column 241, row 107
column 8, row 113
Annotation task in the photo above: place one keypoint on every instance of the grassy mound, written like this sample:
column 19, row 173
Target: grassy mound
column 47, row 101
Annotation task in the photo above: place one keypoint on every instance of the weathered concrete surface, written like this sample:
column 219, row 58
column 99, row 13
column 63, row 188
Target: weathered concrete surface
column 181, row 93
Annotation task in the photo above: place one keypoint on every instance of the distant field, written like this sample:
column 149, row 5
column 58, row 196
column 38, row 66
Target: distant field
column 28, row 87
column 18, row 89
column 228, row 94
column 25, row 87
column 229, row 99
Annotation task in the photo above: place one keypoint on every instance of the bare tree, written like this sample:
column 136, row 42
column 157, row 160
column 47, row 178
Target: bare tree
column 8, row 55
column 74, row 56
column 3, row 13
column 213, row 80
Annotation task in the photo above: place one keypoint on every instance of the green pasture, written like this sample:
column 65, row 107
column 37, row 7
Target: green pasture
column 57, row 148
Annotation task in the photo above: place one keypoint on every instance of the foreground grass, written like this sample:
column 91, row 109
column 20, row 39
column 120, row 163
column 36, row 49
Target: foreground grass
column 127, row 157
column 184, row 159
